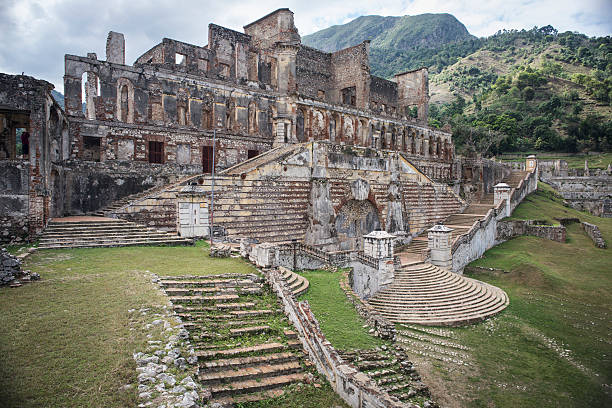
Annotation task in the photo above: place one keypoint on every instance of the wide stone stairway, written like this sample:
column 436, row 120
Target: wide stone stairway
column 92, row 232
column 425, row 294
column 459, row 222
column 246, row 347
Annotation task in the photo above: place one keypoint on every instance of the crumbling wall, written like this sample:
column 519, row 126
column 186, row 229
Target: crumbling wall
column 514, row 228
column 588, row 193
column 413, row 90
column 594, row 233
column 350, row 67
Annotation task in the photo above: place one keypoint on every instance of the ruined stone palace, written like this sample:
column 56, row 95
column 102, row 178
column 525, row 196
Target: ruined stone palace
column 129, row 128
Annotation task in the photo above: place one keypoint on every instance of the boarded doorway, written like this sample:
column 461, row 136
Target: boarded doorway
column 193, row 219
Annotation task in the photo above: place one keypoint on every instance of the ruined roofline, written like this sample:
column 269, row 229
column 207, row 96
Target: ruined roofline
column 246, row 37
column 343, row 50
column 266, row 16
column 411, row 71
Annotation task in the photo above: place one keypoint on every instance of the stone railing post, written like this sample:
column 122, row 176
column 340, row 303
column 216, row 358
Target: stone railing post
column 501, row 192
column 379, row 245
column 440, row 245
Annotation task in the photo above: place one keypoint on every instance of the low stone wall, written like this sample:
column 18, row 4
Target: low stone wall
column 366, row 280
column 357, row 389
column 593, row 231
column 514, row 228
column 378, row 324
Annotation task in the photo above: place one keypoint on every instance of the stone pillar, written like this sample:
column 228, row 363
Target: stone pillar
column 378, row 244
column 501, row 192
column 115, row 48
column 440, row 246
column 531, row 163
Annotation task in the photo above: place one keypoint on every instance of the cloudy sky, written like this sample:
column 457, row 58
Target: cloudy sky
column 35, row 34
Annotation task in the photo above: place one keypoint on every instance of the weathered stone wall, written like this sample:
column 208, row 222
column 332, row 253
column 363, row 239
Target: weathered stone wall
column 588, row 193
column 594, row 233
column 513, row 228
column 91, row 186
column 355, row 388
column 14, row 200
column 27, row 103
column 478, row 176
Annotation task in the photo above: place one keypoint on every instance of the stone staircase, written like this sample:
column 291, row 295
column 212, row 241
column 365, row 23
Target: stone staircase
column 297, row 283
column 124, row 201
column 93, row 232
column 432, row 343
column 460, row 222
column 246, row 348
column 392, row 371
column 424, row 294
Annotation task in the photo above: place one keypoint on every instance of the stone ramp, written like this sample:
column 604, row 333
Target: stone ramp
column 246, row 348
column 95, row 232
column 271, row 155
column 425, row 294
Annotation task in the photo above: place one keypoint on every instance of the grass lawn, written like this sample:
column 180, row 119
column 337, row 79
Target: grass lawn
column 339, row 320
column 552, row 345
column 66, row 340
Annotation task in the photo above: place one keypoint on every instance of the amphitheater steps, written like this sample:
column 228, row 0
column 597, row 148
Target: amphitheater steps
column 247, row 351
column 432, row 344
column 94, row 232
column 425, row 294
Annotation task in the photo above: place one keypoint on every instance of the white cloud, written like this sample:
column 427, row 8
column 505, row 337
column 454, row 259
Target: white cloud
column 37, row 33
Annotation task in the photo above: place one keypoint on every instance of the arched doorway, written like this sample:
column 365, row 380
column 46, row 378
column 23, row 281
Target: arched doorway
column 355, row 219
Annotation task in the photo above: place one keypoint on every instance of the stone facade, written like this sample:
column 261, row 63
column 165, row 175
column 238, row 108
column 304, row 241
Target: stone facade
column 30, row 184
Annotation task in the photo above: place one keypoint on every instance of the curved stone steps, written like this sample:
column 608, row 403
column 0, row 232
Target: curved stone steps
column 425, row 294
column 297, row 283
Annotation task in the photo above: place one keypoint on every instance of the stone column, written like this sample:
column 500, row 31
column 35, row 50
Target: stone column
column 440, row 246
column 379, row 245
column 501, row 192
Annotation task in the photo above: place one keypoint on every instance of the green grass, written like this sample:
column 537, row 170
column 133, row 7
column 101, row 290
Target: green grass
column 306, row 396
column 339, row 320
column 559, row 295
column 66, row 340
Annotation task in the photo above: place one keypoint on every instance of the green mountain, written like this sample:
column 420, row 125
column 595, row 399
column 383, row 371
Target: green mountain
column 528, row 90
column 393, row 33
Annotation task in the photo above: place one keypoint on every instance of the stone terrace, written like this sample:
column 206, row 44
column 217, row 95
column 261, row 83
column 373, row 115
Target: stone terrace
column 246, row 348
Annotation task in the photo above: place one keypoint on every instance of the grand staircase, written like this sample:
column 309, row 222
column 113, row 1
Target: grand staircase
column 246, row 348
column 92, row 232
column 460, row 222
column 424, row 294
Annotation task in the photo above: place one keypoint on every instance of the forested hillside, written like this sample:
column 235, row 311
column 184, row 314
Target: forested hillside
column 525, row 90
